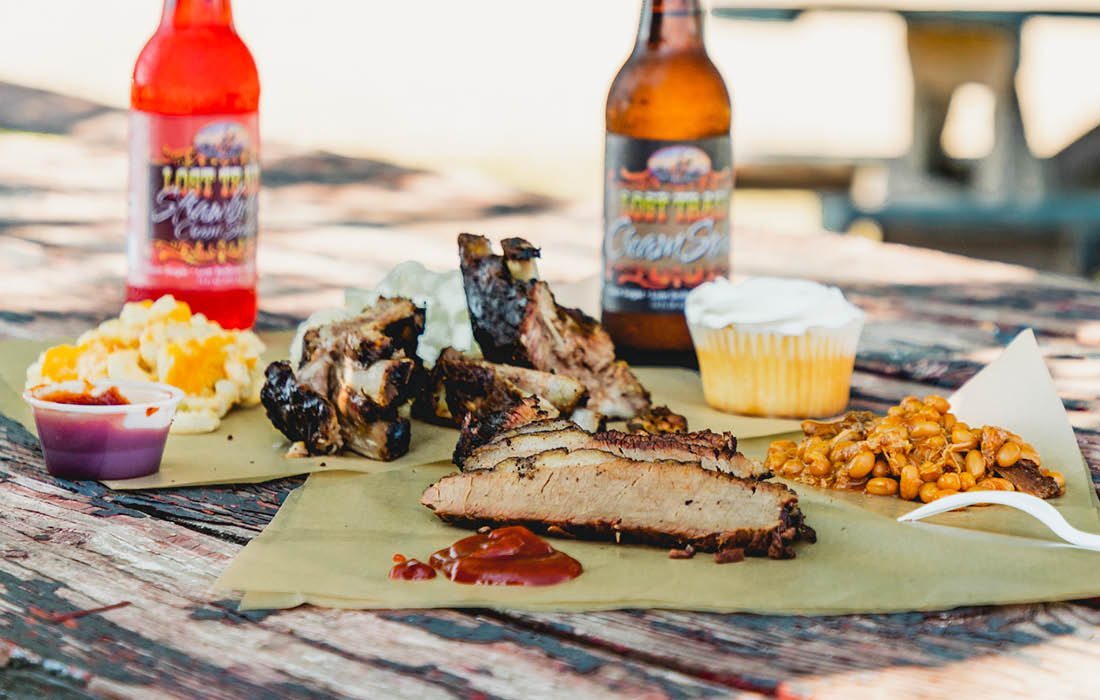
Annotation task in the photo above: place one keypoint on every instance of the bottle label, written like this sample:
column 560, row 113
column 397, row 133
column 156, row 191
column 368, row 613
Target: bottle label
column 194, row 185
column 666, row 221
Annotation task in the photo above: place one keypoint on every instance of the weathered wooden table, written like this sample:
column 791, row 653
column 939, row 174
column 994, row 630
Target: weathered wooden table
column 107, row 594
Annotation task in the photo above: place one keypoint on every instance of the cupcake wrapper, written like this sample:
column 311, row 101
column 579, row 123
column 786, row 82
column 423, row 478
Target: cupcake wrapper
column 756, row 372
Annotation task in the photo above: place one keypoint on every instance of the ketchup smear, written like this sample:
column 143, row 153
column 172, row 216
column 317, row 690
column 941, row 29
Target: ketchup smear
column 110, row 397
column 410, row 569
column 507, row 556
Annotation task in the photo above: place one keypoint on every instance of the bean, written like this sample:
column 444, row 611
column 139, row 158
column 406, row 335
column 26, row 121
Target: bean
column 911, row 403
column 975, row 464
column 944, row 492
column 792, row 467
column 949, row 420
column 881, row 468
column 924, row 429
column 966, row 481
column 861, row 465
column 950, row 480
column 819, row 464
column 930, row 472
column 1028, row 452
column 936, row 441
column 817, row 446
column 995, row 484
column 910, row 482
column 1008, row 455
column 837, row 453
column 963, row 437
column 882, row 486
column 927, row 492
column 938, row 402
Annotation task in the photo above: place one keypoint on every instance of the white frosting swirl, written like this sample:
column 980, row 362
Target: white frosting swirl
column 776, row 305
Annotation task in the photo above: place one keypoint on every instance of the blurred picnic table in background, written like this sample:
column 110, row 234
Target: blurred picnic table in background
column 1006, row 204
column 69, row 549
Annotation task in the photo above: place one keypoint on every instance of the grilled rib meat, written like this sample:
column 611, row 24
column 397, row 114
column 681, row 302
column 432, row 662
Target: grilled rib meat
column 389, row 328
column 384, row 440
column 460, row 384
column 570, row 343
column 352, row 378
column 517, row 321
column 593, row 495
column 705, row 448
column 299, row 412
column 496, row 300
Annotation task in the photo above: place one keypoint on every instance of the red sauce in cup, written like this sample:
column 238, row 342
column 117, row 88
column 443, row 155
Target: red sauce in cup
column 507, row 556
column 113, row 430
column 109, row 397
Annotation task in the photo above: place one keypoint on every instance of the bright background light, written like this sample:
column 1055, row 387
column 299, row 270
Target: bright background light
column 516, row 88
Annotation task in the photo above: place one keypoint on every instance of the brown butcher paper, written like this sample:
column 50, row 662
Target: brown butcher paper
column 332, row 541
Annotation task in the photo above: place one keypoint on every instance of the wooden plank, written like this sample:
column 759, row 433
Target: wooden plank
column 801, row 657
column 65, row 552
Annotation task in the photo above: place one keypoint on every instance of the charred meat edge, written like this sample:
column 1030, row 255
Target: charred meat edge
column 496, row 300
column 710, row 450
column 479, row 428
column 300, row 413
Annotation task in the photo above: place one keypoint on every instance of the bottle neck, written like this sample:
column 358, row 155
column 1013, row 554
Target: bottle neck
column 178, row 14
column 671, row 24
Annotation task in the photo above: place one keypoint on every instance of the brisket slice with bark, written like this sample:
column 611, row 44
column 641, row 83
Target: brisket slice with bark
column 708, row 449
column 516, row 320
column 593, row 495
column 479, row 427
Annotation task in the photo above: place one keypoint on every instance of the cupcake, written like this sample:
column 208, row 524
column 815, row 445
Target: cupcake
column 774, row 347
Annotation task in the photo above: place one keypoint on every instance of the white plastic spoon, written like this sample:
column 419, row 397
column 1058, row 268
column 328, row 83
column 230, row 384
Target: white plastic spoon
column 1032, row 505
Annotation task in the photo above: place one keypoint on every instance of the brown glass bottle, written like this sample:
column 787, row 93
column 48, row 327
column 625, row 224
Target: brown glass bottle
column 668, row 179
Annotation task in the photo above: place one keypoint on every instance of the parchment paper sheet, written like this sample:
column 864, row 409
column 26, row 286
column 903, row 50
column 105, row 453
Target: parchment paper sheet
column 331, row 543
column 246, row 449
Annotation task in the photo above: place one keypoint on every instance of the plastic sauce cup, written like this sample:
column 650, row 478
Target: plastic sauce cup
column 104, row 442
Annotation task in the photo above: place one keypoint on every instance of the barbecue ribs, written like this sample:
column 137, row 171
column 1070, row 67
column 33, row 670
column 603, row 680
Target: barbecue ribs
column 516, row 321
column 352, row 379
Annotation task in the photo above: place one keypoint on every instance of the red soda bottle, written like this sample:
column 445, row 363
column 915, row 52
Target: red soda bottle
column 194, row 165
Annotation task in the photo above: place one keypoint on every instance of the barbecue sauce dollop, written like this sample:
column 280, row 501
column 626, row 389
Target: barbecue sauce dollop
column 410, row 569
column 110, row 397
column 507, row 556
